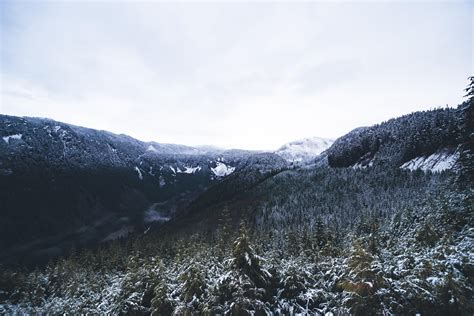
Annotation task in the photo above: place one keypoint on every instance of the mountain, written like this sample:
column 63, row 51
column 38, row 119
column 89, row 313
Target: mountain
column 64, row 185
column 380, row 223
column 304, row 150
column 405, row 142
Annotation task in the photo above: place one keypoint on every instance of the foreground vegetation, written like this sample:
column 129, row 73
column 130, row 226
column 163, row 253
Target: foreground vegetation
column 420, row 261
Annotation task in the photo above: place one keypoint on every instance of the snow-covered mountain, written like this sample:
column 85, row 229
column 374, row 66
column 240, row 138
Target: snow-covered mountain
column 88, row 184
column 425, row 140
column 304, row 149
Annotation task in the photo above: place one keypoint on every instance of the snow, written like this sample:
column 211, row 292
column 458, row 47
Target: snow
column 172, row 169
column 140, row 175
column 247, row 259
column 162, row 181
column 151, row 148
column 112, row 148
column 304, row 149
column 189, row 170
column 361, row 165
column 150, row 171
column 437, row 162
column 222, row 170
column 14, row 136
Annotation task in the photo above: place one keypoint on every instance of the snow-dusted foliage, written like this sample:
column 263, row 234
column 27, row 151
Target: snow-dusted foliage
column 398, row 140
column 420, row 261
column 377, row 240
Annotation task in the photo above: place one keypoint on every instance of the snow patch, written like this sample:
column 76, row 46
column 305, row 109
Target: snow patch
column 189, row 170
column 222, row 170
column 437, row 162
column 14, row 136
column 162, row 181
column 151, row 148
column 140, row 175
column 304, row 149
column 361, row 165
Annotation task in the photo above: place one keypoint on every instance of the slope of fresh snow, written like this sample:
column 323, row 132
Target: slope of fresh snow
column 151, row 148
column 189, row 170
column 304, row 149
column 437, row 162
column 15, row 136
column 222, row 170
column 140, row 175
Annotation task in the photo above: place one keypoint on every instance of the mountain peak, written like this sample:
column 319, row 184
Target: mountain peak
column 304, row 149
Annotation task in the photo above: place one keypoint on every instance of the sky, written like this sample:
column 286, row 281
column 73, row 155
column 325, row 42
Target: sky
column 251, row 75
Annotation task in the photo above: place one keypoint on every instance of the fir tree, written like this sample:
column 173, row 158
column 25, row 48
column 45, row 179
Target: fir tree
column 466, row 158
column 246, row 260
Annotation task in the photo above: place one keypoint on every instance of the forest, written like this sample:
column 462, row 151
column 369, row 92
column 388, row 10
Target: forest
column 302, row 240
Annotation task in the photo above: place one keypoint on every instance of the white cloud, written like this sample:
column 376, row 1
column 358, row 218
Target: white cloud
column 233, row 75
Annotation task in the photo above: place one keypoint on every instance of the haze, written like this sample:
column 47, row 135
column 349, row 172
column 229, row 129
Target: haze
column 250, row 75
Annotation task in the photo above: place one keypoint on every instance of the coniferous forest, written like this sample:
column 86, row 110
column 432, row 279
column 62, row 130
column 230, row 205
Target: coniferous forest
column 350, row 233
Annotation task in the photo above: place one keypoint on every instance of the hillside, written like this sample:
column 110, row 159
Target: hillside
column 370, row 221
column 64, row 185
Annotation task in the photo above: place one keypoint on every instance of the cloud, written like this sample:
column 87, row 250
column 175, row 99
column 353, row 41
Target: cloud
column 250, row 75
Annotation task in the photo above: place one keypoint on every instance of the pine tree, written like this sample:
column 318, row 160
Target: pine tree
column 466, row 158
column 193, row 283
column 161, row 305
column 245, row 259
column 320, row 233
column 363, row 279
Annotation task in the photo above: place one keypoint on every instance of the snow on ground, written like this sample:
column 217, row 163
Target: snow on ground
column 304, row 149
column 162, row 181
column 140, row 175
column 14, row 136
column 189, row 170
column 151, row 148
column 222, row 170
column 361, row 165
column 437, row 162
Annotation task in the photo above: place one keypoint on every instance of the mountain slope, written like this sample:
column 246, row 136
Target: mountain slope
column 342, row 196
column 304, row 150
column 64, row 185
column 398, row 140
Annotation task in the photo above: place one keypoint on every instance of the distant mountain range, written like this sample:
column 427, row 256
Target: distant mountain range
column 64, row 185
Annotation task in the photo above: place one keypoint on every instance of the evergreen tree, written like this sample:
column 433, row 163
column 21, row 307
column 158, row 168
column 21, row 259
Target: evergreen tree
column 466, row 158
column 246, row 260
column 363, row 280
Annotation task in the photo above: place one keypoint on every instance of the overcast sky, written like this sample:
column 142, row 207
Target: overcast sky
column 253, row 75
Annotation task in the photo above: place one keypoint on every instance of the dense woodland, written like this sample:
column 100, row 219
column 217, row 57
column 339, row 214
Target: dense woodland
column 307, row 240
